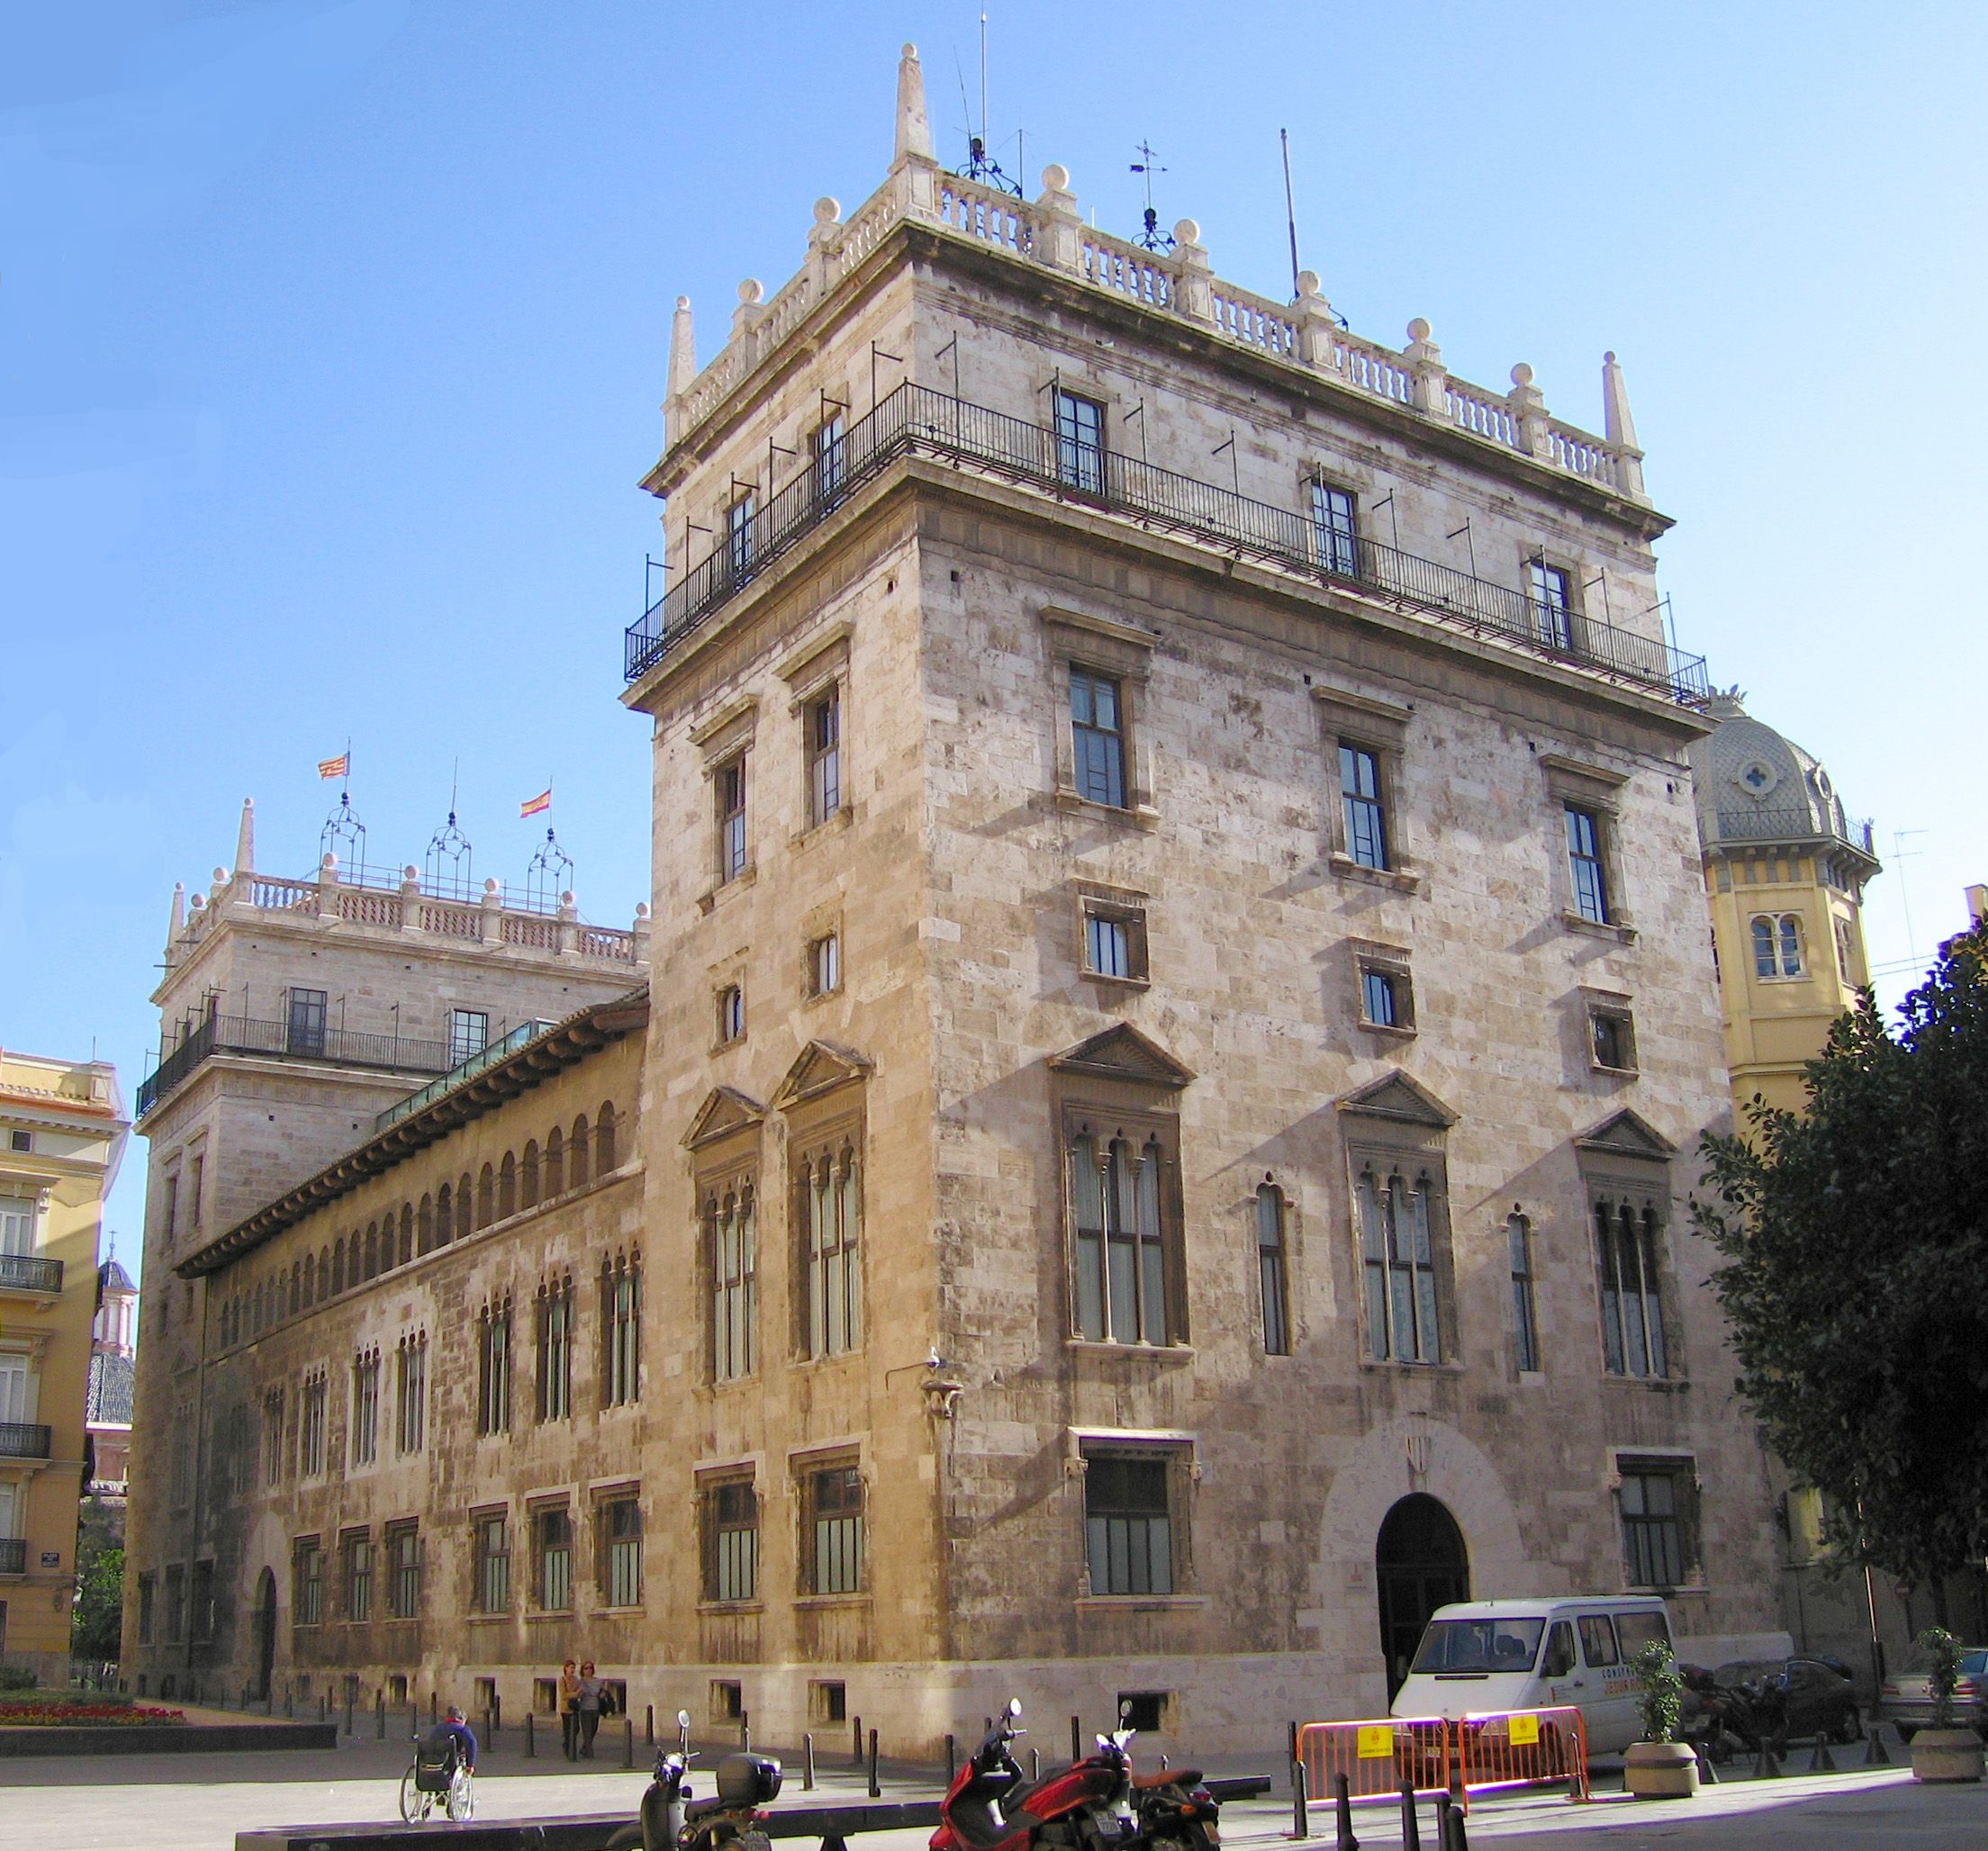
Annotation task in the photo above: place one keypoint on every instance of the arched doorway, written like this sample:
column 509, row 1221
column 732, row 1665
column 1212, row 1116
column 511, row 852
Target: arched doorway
column 1420, row 1564
column 266, row 1633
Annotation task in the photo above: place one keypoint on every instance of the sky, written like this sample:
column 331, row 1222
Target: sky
column 332, row 336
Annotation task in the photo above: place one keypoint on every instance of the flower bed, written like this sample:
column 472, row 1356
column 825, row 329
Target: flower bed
column 41, row 1713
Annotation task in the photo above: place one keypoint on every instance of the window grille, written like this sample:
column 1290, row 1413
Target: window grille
column 469, row 1034
column 272, row 1437
column 1128, row 1526
column 306, row 1025
column 731, row 1550
column 359, row 1577
column 312, row 1438
column 826, row 452
column 1397, row 1252
column 621, row 1330
column 738, row 534
column 410, row 1398
column 621, row 1524
column 493, row 1367
column 307, row 1604
column 1656, row 1499
column 554, row 1547
column 403, row 1547
column 492, row 1564
column 365, row 1407
column 835, row 1557
column 556, row 1350
column 1098, row 740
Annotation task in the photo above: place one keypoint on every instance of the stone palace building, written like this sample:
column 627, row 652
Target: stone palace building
column 1154, row 1150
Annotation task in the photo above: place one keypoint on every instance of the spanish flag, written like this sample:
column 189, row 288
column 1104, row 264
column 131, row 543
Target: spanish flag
column 532, row 805
column 334, row 767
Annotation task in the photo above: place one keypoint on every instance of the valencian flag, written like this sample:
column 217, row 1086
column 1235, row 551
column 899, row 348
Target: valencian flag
column 533, row 805
column 335, row 767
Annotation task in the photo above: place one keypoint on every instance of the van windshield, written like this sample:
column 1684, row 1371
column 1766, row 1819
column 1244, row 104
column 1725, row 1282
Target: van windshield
column 1479, row 1644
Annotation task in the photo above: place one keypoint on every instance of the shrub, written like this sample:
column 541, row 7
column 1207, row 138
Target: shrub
column 1660, row 1704
column 15, row 1677
column 1943, row 1674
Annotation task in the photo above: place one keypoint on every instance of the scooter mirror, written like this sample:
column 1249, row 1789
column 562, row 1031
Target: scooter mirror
column 1124, row 1707
column 1014, row 1706
column 682, row 1718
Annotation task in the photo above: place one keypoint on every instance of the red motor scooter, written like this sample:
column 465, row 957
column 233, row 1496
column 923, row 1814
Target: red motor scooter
column 1096, row 1804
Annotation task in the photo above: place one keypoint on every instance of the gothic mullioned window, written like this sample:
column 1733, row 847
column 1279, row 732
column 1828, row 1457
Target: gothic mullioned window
column 830, row 1202
column 1400, row 1231
column 1628, row 1239
column 1273, row 1269
column 1119, row 1210
column 1777, row 945
column 731, row 1242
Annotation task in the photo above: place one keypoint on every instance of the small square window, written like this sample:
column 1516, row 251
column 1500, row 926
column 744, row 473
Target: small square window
column 824, row 964
column 1611, row 1040
column 1387, row 996
column 727, row 1700
column 1144, row 1711
column 829, row 1702
column 731, row 1014
column 21, row 1140
column 1115, row 942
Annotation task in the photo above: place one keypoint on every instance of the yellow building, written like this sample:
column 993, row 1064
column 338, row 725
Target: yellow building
column 63, row 1130
column 1785, row 872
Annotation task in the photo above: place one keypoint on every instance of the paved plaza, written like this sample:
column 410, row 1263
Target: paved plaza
column 197, row 1803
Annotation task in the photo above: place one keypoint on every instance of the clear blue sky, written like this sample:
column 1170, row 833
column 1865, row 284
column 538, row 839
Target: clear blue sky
column 331, row 336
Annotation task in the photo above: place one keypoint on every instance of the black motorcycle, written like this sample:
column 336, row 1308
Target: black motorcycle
column 674, row 1819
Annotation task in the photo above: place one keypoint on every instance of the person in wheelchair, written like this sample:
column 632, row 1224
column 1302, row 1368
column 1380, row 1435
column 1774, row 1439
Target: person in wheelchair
column 449, row 1745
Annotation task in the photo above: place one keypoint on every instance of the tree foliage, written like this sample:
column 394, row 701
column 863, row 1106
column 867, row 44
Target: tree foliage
column 1855, row 1235
column 97, row 1624
column 1660, row 1696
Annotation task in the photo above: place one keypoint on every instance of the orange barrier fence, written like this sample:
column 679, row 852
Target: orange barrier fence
column 1433, row 1754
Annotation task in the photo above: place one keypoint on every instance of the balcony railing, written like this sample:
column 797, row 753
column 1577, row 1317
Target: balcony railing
column 242, row 1035
column 13, row 1554
column 916, row 420
column 1794, row 822
column 24, row 1440
column 30, row 1272
column 487, row 1056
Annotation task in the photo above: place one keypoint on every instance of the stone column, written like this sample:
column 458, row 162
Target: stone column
column 569, row 925
column 1059, row 244
column 1194, row 281
column 1315, row 323
column 328, row 889
column 1528, row 404
column 411, row 899
column 1424, row 362
column 493, row 913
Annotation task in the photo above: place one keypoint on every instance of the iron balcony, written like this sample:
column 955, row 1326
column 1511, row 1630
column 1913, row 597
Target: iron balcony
column 916, row 420
column 24, row 1440
column 30, row 1272
column 13, row 1554
column 242, row 1035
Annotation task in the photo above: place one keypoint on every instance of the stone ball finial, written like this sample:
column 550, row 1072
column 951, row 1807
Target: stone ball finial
column 328, row 862
column 565, row 899
column 1608, row 359
column 221, row 876
column 910, row 50
column 1055, row 177
column 1418, row 329
column 1187, row 231
column 1307, row 283
column 490, row 886
column 827, row 210
column 411, row 872
column 641, row 909
column 752, row 290
column 683, row 302
column 1522, row 374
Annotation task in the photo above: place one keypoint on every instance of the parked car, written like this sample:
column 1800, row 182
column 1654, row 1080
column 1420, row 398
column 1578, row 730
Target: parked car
column 1907, row 1697
column 1794, row 1698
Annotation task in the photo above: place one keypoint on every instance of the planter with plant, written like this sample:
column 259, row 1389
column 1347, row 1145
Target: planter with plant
column 1660, row 1766
column 1942, row 1752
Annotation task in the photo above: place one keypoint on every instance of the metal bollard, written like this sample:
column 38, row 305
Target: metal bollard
column 1875, row 1755
column 289, row 1702
column 496, row 1713
column 745, row 1730
column 951, row 1761
column 1034, row 1763
column 324, row 1707
column 1708, row 1775
column 1301, row 1822
column 351, row 1698
column 627, row 1741
column 855, row 1757
column 648, row 1724
column 1443, row 1804
column 1767, row 1767
column 532, row 1746
column 1820, row 1761
column 1076, row 1741
column 1411, row 1826
column 434, row 1715
column 876, row 1792
column 1460, row 1838
column 1342, row 1809
column 379, row 1712
column 808, row 1764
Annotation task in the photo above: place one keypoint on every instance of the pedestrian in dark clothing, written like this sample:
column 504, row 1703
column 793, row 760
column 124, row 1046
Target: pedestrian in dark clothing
column 569, row 1710
column 590, row 1708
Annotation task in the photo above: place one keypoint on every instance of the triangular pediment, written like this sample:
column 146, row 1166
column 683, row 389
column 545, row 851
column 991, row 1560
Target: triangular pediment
column 1123, row 1053
column 821, row 1068
column 1398, row 1098
column 724, row 1111
column 1627, row 1135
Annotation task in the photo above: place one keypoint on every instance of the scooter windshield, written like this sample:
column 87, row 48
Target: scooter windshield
column 1479, row 1646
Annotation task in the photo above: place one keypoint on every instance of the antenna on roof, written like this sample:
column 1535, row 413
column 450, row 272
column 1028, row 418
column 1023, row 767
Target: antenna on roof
column 1290, row 209
column 981, row 165
column 446, row 868
column 1153, row 237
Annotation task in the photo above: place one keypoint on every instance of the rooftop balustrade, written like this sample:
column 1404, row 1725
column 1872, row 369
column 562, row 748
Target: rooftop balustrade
column 1795, row 823
column 30, row 1272
column 916, row 420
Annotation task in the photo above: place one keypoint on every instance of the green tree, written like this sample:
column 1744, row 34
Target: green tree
column 1856, row 1235
column 96, row 1629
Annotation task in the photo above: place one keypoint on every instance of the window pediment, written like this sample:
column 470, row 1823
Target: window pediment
column 1399, row 1100
column 1122, row 1053
column 1627, row 1135
column 726, row 1111
column 821, row 1068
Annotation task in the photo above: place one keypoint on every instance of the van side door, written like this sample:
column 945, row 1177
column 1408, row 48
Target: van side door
column 1609, row 1701
column 1560, row 1678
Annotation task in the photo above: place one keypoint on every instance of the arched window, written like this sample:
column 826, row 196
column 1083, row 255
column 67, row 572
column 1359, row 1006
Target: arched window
column 406, row 1232
column 577, row 1153
column 372, row 1250
column 528, row 1176
column 297, row 1287
column 1632, row 1317
column 424, row 1224
column 445, row 1216
column 556, row 1164
column 604, row 1139
column 310, row 1281
column 507, row 1188
column 463, row 1208
column 1397, row 1253
column 1115, row 1198
column 486, row 1197
column 1272, row 1270
column 732, row 1246
column 324, row 1272
column 621, row 1329
column 337, row 1266
column 1777, row 944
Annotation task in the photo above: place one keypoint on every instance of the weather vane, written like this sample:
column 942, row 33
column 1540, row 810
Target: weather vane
column 1152, row 237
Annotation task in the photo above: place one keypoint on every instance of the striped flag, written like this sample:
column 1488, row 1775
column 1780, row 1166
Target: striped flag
column 334, row 767
column 532, row 805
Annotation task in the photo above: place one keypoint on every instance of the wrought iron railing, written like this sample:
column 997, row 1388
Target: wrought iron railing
column 243, row 1034
column 30, row 1272
column 13, row 1554
column 1793, row 823
column 25, row 1440
column 486, row 1056
column 916, row 420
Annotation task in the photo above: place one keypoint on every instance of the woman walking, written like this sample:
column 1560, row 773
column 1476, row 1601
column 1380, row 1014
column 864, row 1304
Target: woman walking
column 590, row 1708
column 569, row 1710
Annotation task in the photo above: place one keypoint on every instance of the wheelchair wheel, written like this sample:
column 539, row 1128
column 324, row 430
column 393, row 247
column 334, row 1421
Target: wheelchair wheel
column 461, row 1803
column 415, row 1805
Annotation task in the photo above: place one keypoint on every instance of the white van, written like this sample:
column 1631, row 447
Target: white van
column 1529, row 1655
